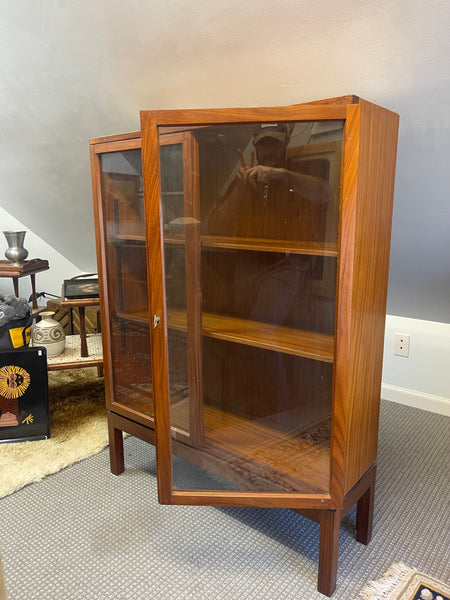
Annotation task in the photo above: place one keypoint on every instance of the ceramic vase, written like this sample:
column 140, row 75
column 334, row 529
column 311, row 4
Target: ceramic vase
column 15, row 252
column 50, row 334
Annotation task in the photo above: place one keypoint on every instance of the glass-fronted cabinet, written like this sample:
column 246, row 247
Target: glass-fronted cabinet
column 256, row 347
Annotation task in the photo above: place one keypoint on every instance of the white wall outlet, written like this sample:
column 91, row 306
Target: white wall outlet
column 401, row 344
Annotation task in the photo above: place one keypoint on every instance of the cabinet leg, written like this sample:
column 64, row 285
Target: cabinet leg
column 115, row 449
column 364, row 512
column 328, row 550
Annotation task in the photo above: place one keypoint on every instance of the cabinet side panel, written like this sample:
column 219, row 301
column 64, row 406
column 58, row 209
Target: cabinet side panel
column 347, row 226
column 375, row 187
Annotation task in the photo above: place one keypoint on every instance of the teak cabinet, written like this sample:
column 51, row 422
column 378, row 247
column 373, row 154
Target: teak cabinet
column 243, row 259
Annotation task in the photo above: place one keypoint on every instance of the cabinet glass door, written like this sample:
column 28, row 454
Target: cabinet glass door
column 250, row 267
column 126, row 275
column 181, row 236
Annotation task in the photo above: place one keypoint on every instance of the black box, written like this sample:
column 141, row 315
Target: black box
column 80, row 288
column 24, row 411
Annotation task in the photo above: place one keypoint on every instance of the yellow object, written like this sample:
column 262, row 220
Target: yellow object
column 20, row 336
column 14, row 381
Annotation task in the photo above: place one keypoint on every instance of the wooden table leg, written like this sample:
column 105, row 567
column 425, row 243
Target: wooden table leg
column 16, row 286
column 84, row 348
column 328, row 551
column 33, row 290
column 116, row 457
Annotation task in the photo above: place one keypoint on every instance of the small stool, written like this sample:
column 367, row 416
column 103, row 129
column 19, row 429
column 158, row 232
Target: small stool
column 81, row 304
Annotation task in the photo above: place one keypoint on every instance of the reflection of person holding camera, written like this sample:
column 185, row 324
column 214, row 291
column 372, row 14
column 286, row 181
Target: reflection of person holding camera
column 268, row 200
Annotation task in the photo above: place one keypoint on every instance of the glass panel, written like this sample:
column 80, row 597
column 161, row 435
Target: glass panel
column 172, row 188
column 173, row 213
column 125, row 252
column 251, row 284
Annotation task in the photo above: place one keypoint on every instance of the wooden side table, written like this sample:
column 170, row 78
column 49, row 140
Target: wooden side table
column 81, row 304
column 29, row 267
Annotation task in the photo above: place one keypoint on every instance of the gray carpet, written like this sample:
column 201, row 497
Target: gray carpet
column 86, row 534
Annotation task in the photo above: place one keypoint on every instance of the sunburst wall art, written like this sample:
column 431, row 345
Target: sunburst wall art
column 14, row 381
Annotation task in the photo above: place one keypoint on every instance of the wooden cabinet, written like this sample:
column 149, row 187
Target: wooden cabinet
column 244, row 303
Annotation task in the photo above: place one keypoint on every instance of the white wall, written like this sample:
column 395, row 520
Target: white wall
column 47, row 281
column 421, row 380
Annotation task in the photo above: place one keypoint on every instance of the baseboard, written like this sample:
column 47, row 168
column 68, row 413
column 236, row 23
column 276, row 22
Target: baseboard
column 436, row 404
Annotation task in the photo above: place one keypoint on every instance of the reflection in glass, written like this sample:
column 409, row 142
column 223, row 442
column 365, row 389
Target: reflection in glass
column 250, row 283
column 172, row 188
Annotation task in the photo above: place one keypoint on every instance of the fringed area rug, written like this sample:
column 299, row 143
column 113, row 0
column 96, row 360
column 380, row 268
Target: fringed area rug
column 78, row 429
column 401, row 582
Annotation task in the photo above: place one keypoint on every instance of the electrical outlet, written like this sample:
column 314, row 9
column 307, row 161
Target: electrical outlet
column 401, row 344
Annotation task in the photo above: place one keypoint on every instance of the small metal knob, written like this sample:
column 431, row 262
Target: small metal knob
column 156, row 321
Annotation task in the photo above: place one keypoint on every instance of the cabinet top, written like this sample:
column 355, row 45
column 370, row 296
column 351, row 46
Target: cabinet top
column 115, row 138
column 337, row 101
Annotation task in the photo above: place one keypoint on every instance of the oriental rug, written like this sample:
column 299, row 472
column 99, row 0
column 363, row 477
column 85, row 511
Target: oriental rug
column 78, row 429
column 401, row 582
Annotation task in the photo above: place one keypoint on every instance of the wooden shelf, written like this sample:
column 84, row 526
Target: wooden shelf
column 123, row 238
column 176, row 239
column 307, row 344
column 268, row 245
column 77, row 302
column 259, row 245
column 71, row 357
column 235, row 243
column 283, row 458
column 140, row 316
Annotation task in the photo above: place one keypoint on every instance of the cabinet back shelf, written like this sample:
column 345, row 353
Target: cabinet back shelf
column 269, row 245
column 307, row 344
column 259, row 245
column 136, row 316
column 121, row 238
